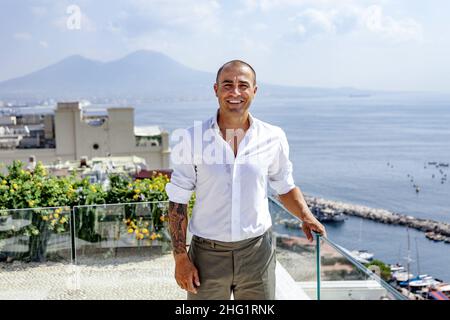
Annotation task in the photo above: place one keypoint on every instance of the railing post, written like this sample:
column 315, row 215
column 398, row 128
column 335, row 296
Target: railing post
column 72, row 235
column 318, row 264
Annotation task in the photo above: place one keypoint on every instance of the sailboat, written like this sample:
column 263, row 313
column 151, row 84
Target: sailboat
column 361, row 255
column 402, row 276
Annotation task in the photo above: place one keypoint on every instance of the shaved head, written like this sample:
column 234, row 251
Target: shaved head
column 236, row 63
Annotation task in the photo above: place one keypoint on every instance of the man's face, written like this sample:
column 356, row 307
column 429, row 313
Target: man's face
column 235, row 89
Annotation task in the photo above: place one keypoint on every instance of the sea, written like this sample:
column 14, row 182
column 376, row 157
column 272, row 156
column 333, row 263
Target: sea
column 372, row 150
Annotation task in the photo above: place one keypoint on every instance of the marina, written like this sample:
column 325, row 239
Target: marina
column 434, row 230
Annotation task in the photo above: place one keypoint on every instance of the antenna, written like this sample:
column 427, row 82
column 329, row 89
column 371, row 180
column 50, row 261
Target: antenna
column 360, row 234
column 408, row 259
column 417, row 254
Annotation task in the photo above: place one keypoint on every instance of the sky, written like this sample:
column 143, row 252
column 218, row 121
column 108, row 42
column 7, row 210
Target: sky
column 378, row 44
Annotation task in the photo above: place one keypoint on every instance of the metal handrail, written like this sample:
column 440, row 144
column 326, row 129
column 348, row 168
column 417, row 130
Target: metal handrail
column 66, row 208
column 118, row 204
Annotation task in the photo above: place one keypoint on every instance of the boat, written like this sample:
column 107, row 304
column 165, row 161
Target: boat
column 437, row 295
column 435, row 236
column 362, row 256
column 424, row 282
column 442, row 289
column 338, row 218
column 396, row 267
column 402, row 276
column 358, row 255
column 291, row 223
column 406, row 283
column 329, row 215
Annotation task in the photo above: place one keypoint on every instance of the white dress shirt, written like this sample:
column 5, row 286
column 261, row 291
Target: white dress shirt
column 231, row 192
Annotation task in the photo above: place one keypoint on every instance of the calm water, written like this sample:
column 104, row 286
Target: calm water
column 341, row 148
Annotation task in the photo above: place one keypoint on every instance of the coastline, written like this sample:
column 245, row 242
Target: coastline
column 434, row 230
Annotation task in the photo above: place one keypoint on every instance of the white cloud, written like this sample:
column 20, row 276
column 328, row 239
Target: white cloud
column 269, row 5
column 353, row 18
column 300, row 30
column 43, row 44
column 375, row 21
column 199, row 15
column 318, row 20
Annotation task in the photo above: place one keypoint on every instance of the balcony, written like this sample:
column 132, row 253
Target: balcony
column 122, row 251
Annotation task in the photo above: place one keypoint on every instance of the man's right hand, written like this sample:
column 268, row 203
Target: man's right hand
column 186, row 273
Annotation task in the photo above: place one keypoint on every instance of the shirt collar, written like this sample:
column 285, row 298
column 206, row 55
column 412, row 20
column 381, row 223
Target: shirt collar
column 213, row 122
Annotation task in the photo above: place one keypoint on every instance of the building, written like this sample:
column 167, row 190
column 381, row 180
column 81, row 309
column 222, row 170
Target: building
column 97, row 170
column 77, row 134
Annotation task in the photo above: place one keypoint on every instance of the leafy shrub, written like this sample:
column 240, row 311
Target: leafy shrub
column 20, row 188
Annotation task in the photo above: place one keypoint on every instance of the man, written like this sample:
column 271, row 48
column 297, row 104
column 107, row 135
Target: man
column 231, row 249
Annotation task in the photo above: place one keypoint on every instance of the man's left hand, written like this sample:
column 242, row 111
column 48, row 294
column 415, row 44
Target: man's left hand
column 313, row 225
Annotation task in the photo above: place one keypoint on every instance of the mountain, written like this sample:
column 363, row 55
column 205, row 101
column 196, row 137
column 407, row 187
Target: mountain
column 142, row 74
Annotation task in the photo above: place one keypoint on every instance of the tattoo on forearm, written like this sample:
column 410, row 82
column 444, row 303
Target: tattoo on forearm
column 178, row 226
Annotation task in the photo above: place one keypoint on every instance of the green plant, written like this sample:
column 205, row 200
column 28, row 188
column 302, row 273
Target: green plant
column 50, row 199
column 385, row 270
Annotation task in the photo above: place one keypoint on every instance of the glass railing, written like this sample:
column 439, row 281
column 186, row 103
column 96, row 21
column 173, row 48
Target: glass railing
column 343, row 277
column 113, row 251
column 323, row 270
column 111, row 232
column 30, row 241
column 122, row 251
column 296, row 256
column 35, row 235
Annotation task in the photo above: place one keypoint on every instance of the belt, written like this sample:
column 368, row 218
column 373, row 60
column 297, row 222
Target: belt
column 227, row 245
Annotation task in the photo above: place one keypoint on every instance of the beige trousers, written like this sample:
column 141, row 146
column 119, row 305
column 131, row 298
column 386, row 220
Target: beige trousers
column 245, row 268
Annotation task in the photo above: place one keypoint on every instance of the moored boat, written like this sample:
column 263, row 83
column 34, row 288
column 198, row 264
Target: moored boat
column 362, row 256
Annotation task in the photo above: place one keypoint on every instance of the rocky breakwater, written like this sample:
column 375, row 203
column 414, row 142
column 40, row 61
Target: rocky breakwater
column 434, row 230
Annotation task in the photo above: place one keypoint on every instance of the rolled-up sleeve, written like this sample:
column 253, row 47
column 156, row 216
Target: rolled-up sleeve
column 183, row 180
column 280, row 170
